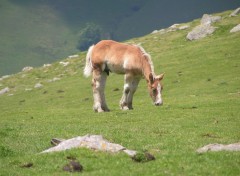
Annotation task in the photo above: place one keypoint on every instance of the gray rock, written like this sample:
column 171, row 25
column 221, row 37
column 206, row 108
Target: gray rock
column 174, row 27
column 200, row 31
column 5, row 90
column 47, row 65
column 209, row 19
column 205, row 28
column 73, row 56
column 177, row 27
column 54, row 79
column 154, row 32
column 235, row 12
column 235, row 29
column 94, row 142
column 38, row 85
column 183, row 27
column 219, row 147
column 64, row 63
column 26, row 69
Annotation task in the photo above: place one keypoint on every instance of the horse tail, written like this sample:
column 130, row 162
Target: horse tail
column 88, row 67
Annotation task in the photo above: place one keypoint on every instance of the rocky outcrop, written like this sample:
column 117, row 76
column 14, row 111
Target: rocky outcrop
column 235, row 29
column 94, row 142
column 235, row 12
column 174, row 27
column 200, row 31
column 209, row 19
column 205, row 28
column 219, row 147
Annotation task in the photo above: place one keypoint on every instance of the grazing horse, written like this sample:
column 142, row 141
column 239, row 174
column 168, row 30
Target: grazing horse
column 131, row 60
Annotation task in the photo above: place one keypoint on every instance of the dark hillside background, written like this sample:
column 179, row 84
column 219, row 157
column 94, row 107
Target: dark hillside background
column 34, row 32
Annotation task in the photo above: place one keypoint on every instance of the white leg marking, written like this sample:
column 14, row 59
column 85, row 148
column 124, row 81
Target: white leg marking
column 98, row 85
column 130, row 87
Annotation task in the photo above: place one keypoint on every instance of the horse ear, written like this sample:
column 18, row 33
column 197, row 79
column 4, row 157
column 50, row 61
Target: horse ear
column 151, row 78
column 160, row 77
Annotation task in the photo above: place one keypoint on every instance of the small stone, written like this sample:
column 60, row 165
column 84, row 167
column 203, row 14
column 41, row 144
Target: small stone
column 5, row 90
column 26, row 69
column 64, row 63
column 183, row 27
column 235, row 29
column 154, row 32
column 28, row 89
column 46, row 65
column 73, row 56
column 38, row 85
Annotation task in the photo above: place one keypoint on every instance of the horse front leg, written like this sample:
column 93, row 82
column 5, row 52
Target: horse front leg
column 133, row 88
column 98, row 86
column 124, row 101
column 130, row 86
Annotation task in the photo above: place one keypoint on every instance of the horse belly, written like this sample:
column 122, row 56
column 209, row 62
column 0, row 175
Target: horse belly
column 115, row 68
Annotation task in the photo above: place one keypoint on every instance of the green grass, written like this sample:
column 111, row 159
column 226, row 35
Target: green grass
column 201, row 106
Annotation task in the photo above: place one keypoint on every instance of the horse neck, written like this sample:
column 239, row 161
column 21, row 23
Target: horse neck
column 147, row 68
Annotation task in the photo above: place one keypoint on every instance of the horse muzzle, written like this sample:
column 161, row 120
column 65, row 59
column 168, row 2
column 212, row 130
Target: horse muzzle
column 158, row 103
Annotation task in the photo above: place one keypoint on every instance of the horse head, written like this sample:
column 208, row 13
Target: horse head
column 155, row 88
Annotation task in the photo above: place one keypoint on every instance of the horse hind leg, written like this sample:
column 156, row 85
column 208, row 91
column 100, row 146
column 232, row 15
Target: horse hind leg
column 103, row 83
column 98, row 86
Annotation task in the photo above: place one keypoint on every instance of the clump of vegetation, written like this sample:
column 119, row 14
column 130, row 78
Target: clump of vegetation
column 143, row 157
column 90, row 35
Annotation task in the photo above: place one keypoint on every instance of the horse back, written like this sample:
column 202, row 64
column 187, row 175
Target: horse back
column 117, row 57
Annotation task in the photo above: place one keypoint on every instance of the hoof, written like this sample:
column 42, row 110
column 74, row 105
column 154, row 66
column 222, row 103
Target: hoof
column 105, row 109
column 101, row 110
column 124, row 108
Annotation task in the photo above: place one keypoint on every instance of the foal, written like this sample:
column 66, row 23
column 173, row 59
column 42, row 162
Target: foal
column 130, row 60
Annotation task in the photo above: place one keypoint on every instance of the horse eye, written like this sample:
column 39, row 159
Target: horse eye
column 154, row 91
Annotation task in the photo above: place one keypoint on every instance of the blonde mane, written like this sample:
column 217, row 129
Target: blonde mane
column 147, row 57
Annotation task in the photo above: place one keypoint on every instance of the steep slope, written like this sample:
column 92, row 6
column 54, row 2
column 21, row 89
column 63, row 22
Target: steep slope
column 28, row 36
column 201, row 106
column 37, row 32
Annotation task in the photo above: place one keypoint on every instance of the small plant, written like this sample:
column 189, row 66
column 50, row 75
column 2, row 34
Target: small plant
column 143, row 157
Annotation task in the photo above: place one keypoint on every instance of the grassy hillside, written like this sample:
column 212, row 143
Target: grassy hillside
column 201, row 106
column 37, row 32
column 32, row 35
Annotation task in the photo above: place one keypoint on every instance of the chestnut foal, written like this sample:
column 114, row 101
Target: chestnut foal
column 130, row 60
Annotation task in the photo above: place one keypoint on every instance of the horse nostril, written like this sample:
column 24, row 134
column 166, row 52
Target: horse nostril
column 158, row 104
